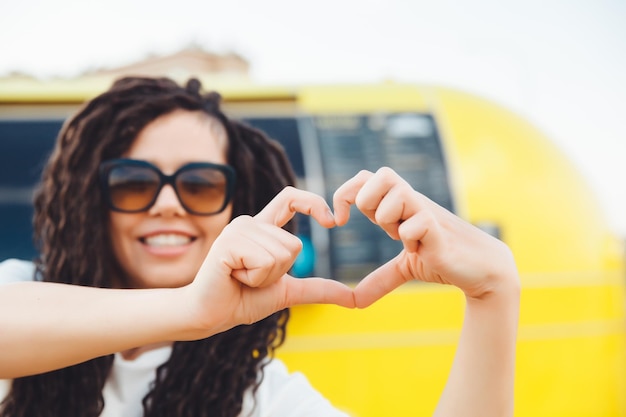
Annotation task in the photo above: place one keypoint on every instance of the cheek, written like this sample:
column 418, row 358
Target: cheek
column 119, row 232
column 212, row 226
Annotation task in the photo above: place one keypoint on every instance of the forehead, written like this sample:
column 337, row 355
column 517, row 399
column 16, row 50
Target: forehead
column 178, row 138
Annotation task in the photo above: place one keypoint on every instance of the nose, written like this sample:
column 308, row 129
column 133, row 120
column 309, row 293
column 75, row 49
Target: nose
column 167, row 203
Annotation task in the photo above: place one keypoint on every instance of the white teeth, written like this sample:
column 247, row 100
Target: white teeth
column 169, row 239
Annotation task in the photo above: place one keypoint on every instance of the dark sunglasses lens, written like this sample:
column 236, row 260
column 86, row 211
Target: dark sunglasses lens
column 202, row 190
column 132, row 188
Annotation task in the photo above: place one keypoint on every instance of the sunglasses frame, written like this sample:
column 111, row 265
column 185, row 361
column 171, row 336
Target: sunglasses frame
column 108, row 165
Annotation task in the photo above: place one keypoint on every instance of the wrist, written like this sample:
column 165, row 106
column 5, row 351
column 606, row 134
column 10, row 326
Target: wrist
column 501, row 282
column 194, row 317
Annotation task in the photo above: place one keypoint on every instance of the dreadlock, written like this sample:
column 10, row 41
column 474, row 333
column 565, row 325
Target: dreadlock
column 201, row 378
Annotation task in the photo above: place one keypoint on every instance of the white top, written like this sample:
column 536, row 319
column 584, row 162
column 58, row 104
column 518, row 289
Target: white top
column 281, row 394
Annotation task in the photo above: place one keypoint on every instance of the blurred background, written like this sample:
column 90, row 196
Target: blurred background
column 561, row 64
column 507, row 113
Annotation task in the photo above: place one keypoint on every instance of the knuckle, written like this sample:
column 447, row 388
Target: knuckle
column 381, row 217
column 242, row 219
column 294, row 247
column 290, row 192
column 283, row 257
column 385, row 172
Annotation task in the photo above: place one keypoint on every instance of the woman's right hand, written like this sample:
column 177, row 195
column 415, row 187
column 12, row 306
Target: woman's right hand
column 244, row 277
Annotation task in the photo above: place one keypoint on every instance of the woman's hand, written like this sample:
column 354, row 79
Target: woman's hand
column 438, row 246
column 244, row 277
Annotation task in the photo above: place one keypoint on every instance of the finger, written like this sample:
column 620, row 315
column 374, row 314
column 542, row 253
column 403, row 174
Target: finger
column 421, row 228
column 266, row 272
column 276, row 251
column 367, row 191
column 375, row 190
column 255, row 252
column 250, row 264
column 346, row 194
column 400, row 202
column 379, row 283
column 290, row 201
column 289, row 291
column 317, row 291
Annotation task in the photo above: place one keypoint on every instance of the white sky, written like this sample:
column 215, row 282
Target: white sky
column 561, row 64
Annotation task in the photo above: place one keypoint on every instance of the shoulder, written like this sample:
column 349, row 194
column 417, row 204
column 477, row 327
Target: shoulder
column 276, row 375
column 5, row 387
column 289, row 394
column 15, row 270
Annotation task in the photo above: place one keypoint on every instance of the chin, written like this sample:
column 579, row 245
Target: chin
column 161, row 278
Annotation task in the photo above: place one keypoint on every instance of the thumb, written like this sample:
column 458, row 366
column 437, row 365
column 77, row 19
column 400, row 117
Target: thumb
column 316, row 291
column 380, row 282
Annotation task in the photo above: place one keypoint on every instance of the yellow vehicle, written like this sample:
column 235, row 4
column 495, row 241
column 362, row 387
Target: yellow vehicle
column 471, row 156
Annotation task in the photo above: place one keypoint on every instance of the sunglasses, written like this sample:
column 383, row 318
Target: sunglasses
column 132, row 186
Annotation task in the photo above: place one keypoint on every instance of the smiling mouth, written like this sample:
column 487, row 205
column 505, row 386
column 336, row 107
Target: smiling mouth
column 167, row 240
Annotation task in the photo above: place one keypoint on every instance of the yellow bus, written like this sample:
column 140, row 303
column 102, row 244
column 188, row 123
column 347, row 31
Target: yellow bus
column 468, row 154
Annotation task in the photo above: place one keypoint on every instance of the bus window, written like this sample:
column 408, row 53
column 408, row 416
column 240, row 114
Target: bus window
column 408, row 143
column 25, row 146
column 285, row 131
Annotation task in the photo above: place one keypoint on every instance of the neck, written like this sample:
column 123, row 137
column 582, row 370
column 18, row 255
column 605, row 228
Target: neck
column 134, row 353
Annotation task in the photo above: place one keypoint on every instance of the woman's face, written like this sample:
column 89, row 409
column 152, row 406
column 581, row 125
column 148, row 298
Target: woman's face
column 165, row 246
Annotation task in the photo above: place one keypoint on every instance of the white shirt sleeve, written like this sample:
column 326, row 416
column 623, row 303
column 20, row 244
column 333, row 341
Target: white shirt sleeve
column 284, row 394
column 15, row 270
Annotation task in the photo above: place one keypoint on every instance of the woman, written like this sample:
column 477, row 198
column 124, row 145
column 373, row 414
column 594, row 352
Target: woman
column 149, row 196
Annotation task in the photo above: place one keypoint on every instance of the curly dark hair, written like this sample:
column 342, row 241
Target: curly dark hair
column 201, row 378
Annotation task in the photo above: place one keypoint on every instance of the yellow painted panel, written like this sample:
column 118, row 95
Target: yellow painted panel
column 396, row 313
column 378, row 382
column 571, row 377
column 393, row 358
column 362, row 99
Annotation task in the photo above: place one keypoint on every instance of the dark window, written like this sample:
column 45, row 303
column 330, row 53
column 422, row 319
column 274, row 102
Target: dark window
column 409, row 144
column 285, row 131
column 24, row 148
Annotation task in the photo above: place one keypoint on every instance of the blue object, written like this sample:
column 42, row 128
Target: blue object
column 305, row 262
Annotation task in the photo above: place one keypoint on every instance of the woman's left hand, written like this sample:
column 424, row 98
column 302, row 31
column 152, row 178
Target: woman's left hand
column 438, row 246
